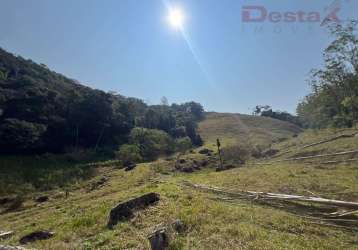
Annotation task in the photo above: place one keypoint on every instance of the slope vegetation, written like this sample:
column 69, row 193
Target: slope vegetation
column 238, row 129
column 212, row 221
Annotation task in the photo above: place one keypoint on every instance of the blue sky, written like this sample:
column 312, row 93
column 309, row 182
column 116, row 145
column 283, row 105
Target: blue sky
column 128, row 46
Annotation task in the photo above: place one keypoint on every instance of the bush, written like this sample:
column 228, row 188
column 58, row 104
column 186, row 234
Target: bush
column 151, row 142
column 129, row 154
column 183, row 144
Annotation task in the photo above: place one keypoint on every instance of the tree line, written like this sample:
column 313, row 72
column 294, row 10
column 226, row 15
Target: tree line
column 43, row 111
column 333, row 101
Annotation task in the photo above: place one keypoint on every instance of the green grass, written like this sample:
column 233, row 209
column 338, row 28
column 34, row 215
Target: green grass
column 27, row 174
column 245, row 130
column 80, row 220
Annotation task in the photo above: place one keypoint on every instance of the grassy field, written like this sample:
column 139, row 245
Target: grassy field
column 79, row 220
column 245, row 130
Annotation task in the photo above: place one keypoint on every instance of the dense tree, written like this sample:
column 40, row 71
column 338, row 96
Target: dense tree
column 334, row 97
column 151, row 142
column 17, row 135
column 43, row 111
column 266, row 110
column 129, row 154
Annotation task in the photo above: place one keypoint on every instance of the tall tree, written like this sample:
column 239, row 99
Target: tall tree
column 334, row 97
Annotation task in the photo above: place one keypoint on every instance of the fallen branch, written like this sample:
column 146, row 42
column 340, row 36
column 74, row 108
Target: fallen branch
column 7, row 234
column 274, row 196
column 101, row 164
column 331, row 225
column 323, row 163
column 281, row 154
column 341, row 161
column 329, row 140
column 336, row 214
column 316, row 156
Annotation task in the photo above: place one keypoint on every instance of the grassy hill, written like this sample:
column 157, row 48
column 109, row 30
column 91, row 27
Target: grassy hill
column 233, row 129
column 213, row 222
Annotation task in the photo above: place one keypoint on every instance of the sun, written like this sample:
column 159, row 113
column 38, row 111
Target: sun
column 176, row 18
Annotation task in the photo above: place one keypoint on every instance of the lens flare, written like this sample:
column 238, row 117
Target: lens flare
column 176, row 18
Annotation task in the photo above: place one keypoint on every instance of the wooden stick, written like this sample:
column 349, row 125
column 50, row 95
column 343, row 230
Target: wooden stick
column 4, row 235
column 329, row 140
column 342, row 161
column 317, row 156
column 275, row 196
column 330, row 225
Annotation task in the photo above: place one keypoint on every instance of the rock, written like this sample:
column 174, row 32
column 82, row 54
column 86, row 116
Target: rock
column 38, row 235
column 42, row 199
column 2, row 247
column 270, row 152
column 95, row 185
column 196, row 167
column 225, row 167
column 204, row 151
column 4, row 235
column 14, row 204
column 124, row 211
column 102, row 181
column 159, row 240
column 179, row 226
column 130, row 167
column 6, row 200
column 187, row 169
column 204, row 163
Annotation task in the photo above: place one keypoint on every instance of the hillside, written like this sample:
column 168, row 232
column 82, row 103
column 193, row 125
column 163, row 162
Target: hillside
column 42, row 111
column 212, row 221
column 236, row 129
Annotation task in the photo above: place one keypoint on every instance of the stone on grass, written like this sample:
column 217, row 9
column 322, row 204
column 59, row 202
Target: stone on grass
column 125, row 210
column 130, row 167
column 204, row 163
column 179, row 226
column 42, row 199
column 98, row 184
column 204, row 151
column 6, row 200
column 187, row 169
column 159, row 240
column 35, row 236
column 181, row 161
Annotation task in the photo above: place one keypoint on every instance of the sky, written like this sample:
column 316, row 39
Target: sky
column 216, row 58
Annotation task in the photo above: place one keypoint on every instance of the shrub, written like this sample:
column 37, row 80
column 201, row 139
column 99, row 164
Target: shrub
column 151, row 142
column 129, row 153
column 183, row 144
